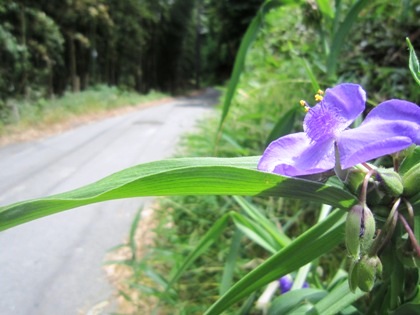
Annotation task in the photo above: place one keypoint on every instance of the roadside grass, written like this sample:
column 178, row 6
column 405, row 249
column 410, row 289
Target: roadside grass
column 42, row 114
column 181, row 222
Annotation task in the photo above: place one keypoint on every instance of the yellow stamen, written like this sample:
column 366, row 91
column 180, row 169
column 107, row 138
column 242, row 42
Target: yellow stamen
column 318, row 97
column 320, row 92
column 304, row 105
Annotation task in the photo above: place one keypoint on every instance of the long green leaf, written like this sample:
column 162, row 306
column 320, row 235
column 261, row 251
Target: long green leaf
column 286, row 303
column 341, row 35
column 318, row 240
column 255, row 232
column 413, row 62
column 283, row 126
column 254, row 213
column 229, row 268
column 208, row 239
column 337, row 300
column 325, row 7
column 189, row 176
column 246, row 43
column 238, row 66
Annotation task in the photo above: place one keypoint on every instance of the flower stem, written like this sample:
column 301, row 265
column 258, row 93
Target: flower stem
column 407, row 227
column 383, row 236
column 363, row 193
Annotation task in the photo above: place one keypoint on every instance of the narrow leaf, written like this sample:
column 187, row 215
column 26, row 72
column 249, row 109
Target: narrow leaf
column 228, row 270
column 255, row 232
column 254, row 213
column 318, row 240
column 238, row 66
column 207, row 240
column 413, row 62
column 340, row 36
column 325, row 8
column 284, row 125
column 189, row 176
column 311, row 75
column 292, row 299
column 246, row 43
column 337, row 300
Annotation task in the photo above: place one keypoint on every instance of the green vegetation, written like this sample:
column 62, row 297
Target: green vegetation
column 144, row 45
column 288, row 60
column 45, row 113
column 48, row 49
column 217, row 252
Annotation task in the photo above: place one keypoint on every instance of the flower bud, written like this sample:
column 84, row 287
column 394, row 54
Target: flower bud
column 285, row 283
column 368, row 269
column 360, row 230
column 369, row 230
column 391, row 181
column 353, row 223
column 411, row 181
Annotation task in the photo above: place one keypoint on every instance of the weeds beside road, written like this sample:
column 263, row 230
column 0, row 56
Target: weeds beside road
column 34, row 119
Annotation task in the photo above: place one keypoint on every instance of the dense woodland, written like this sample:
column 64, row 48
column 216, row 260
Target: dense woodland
column 50, row 47
column 167, row 45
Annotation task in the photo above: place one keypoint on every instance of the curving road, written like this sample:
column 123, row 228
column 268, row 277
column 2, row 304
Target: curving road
column 53, row 265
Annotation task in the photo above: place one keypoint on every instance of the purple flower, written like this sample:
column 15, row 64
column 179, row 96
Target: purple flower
column 390, row 127
column 286, row 283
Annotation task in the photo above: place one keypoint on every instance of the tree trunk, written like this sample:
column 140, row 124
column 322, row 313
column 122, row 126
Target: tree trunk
column 75, row 82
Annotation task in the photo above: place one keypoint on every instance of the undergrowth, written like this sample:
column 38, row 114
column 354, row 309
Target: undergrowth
column 275, row 79
column 42, row 113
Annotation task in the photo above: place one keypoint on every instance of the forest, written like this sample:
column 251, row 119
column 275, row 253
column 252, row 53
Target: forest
column 52, row 46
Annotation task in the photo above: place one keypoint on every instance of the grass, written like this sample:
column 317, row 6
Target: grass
column 43, row 114
column 182, row 221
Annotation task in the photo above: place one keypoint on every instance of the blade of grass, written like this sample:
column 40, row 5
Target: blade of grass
column 337, row 300
column 246, row 43
column 207, row 240
column 132, row 235
column 190, row 176
column 340, row 36
column 281, row 238
column 229, row 268
column 318, row 240
column 286, row 303
column 413, row 62
column 255, row 232
column 283, row 126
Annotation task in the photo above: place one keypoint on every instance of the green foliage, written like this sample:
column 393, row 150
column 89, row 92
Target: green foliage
column 214, row 241
column 413, row 63
column 43, row 113
column 143, row 45
column 211, row 176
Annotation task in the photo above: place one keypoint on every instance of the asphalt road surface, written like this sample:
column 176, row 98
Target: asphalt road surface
column 52, row 266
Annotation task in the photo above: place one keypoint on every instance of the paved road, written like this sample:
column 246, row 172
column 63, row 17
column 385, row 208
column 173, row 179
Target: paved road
column 53, row 265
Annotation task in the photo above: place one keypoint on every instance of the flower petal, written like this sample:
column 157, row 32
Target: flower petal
column 398, row 110
column 338, row 109
column 296, row 154
column 372, row 140
column 390, row 127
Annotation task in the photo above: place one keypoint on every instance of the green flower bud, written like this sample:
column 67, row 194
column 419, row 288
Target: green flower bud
column 368, row 229
column 391, row 181
column 368, row 269
column 353, row 224
column 411, row 181
column 360, row 230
